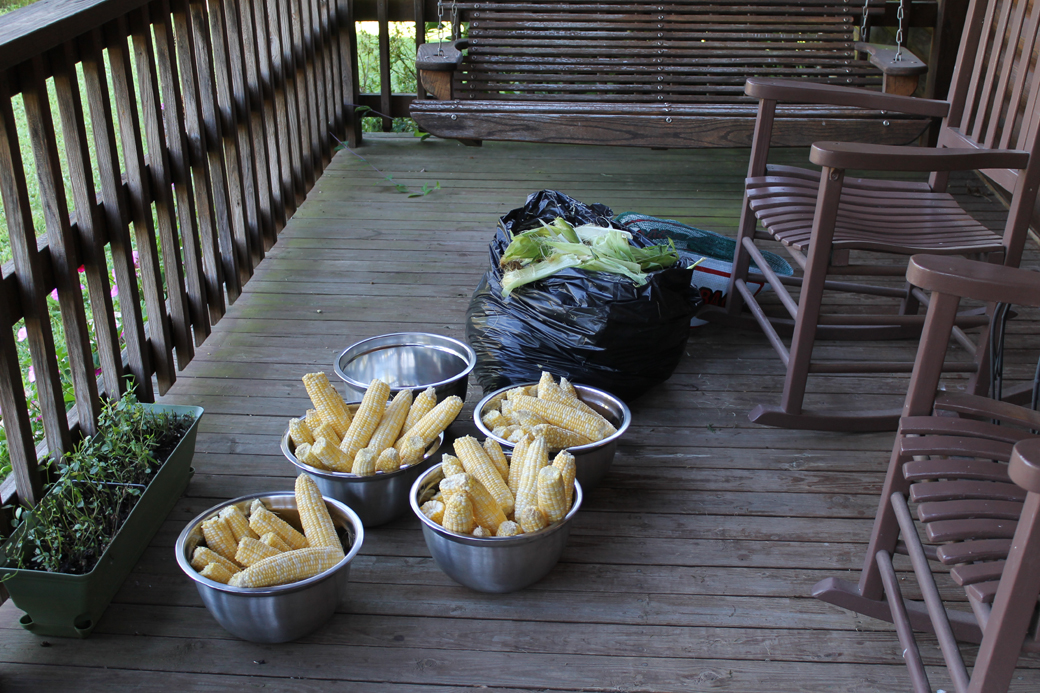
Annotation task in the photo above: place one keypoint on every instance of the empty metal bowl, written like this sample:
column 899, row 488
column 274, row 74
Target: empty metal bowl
column 408, row 360
column 491, row 564
column 593, row 460
column 285, row 612
column 377, row 499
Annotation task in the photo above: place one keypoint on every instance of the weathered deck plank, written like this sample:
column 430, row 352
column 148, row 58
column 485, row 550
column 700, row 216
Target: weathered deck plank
column 688, row 569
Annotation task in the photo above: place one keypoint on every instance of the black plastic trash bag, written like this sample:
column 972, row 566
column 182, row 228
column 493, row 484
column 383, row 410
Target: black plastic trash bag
column 595, row 328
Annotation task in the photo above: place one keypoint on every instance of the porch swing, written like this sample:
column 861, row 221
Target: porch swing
column 649, row 74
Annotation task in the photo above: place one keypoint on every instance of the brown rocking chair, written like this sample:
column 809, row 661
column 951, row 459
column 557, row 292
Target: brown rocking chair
column 976, row 487
column 990, row 123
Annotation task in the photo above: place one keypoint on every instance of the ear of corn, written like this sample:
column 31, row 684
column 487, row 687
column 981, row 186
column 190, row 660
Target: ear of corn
column 458, row 514
column 486, row 510
column 493, row 419
column 327, row 401
column 203, row 556
column 423, row 403
column 263, row 521
column 313, row 419
column 476, row 462
column 300, row 432
column 520, row 391
column 366, row 419
column 330, row 456
column 388, row 461
column 567, row 389
column 238, row 523
column 219, row 537
column 412, row 450
column 497, row 457
column 537, row 457
column 526, row 419
column 505, row 431
column 532, row 519
column 516, row 465
column 592, row 426
column 438, row 419
column 456, row 483
column 325, row 430
column 252, row 551
column 559, row 438
column 288, row 567
column 555, row 394
column 318, row 527
column 480, row 531
column 551, row 497
column 433, row 509
column 564, row 461
column 392, row 423
column 275, row 542
column 217, row 573
column 365, row 462
column 508, row 529
column 305, row 455
column 450, row 465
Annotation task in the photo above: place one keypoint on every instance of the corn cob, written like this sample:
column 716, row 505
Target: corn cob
column 328, row 432
column 288, row 567
column 412, row 450
column 458, row 514
column 263, row 521
column 318, row 527
column 493, row 419
column 300, row 432
column 486, row 510
column 555, row 394
column 544, row 383
column 330, row 456
column 238, row 523
column 203, row 556
column 532, row 519
column 252, row 551
column 520, row 391
column 388, row 461
column 567, row 389
column 366, row 419
column 327, row 401
column 431, row 425
column 507, row 410
column 392, row 423
column 217, row 573
column 219, row 537
column 508, row 529
column 593, row 427
column 481, row 532
column 275, row 542
column 505, row 431
column 476, row 462
column 313, row 419
column 527, row 419
column 551, row 496
column 450, row 465
column 497, row 457
column 559, row 438
column 564, row 461
column 516, row 464
column 433, row 509
column 516, row 435
column 537, row 457
column 365, row 462
column 305, row 455
column 421, row 406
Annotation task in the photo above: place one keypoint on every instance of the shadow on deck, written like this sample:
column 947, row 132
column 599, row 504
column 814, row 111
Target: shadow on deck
column 689, row 569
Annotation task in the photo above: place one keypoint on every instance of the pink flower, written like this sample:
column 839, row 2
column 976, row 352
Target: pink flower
column 82, row 268
column 22, row 334
column 54, row 294
column 114, row 292
column 32, row 375
column 136, row 256
column 97, row 372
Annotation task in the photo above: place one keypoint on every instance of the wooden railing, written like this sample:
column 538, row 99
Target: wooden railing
column 191, row 131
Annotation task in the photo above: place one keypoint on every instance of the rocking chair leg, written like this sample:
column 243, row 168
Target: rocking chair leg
column 741, row 261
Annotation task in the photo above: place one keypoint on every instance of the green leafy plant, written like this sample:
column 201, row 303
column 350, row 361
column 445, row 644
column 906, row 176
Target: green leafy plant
column 98, row 486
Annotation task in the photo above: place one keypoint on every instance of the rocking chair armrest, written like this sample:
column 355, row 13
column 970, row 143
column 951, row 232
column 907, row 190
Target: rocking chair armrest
column 1024, row 468
column 981, row 281
column 877, row 157
column 803, row 91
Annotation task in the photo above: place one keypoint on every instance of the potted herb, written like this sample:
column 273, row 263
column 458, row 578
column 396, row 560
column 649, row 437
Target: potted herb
column 70, row 554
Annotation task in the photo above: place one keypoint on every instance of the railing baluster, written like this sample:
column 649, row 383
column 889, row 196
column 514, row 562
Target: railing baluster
column 14, row 409
column 332, row 39
column 303, row 107
column 116, row 215
column 176, row 142
column 272, row 95
column 30, row 284
column 88, row 219
column 349, row 67
column 280, row 10
column 385, row 101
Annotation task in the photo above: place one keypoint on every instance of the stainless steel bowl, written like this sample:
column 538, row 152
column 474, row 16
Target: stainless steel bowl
column 593, row 460
column 408, row 360
column 492, row 564
column 286, row 612
column 377, row 499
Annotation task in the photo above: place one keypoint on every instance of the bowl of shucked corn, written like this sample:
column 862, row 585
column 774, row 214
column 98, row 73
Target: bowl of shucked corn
column 280, row 612
column 598, row 429
column 495, row 564
column 408, row 360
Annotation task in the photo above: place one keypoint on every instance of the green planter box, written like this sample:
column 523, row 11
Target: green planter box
column 60, row 604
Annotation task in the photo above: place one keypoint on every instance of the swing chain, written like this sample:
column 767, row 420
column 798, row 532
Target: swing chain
column 454, row 21
column 440, row 22
column 900, row 15
column 864, row 23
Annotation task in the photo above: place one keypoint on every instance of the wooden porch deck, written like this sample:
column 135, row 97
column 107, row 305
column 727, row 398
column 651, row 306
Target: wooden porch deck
column 689, row 569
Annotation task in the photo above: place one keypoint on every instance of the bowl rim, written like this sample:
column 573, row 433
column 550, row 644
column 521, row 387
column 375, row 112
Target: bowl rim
column 470, row 357
column 290, row 455
column 626, row 417
column 516, row 540
column 185, row 563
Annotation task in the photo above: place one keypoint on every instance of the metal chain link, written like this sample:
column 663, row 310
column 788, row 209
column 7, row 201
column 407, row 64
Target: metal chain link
column 454, row 21
column 863, row 22
column 440, row 22
column 899, row 30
